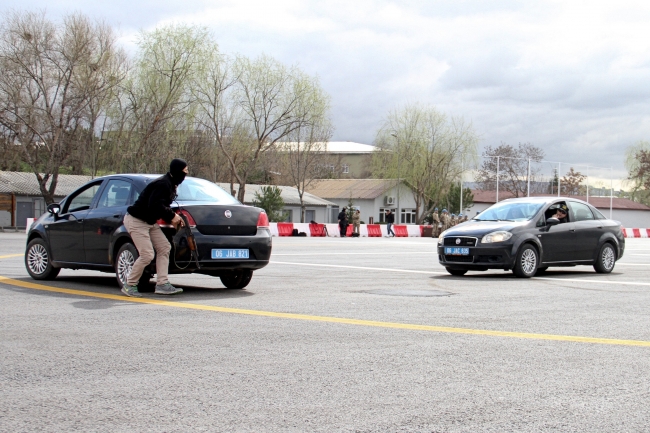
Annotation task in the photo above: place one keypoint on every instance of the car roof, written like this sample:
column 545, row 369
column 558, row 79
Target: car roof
column 544, row 199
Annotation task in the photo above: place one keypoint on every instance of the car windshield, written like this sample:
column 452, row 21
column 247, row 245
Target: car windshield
column 509, row 211
column 200, row 190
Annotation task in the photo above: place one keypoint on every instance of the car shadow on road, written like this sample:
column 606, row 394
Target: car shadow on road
column 507, row 275
column 108, row 285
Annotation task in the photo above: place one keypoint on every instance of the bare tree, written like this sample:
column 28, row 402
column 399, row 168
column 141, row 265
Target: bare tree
column 512, row 164
column 155, row 116
column 306, row 157
column 424, row 148
column 50, row 75
column 273, row 101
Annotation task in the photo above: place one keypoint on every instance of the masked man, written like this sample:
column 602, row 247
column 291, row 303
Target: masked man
column 153, row 204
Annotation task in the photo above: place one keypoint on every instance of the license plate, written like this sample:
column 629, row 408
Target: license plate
column 456, row 251
column 229, row 254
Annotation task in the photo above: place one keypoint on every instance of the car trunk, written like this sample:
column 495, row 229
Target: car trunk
column 211, row 219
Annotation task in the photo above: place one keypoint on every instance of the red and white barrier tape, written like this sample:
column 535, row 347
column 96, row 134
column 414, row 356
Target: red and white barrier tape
column 636, row 233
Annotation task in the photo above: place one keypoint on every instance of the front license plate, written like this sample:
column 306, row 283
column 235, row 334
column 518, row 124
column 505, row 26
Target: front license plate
column 229, row 254
column 456, row 251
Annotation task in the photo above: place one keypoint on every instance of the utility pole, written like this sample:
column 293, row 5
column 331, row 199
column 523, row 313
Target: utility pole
column 399, row 218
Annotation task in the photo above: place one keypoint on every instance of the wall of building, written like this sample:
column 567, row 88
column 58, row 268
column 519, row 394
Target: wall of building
column 372, row 207
column 320, row 213
column 629, row 218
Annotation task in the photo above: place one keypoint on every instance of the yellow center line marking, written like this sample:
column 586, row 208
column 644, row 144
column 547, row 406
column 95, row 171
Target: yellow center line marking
column 11, row 255
column 339, row 320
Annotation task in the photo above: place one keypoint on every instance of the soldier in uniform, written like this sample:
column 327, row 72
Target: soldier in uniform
column 436, row 223
column 446, row 220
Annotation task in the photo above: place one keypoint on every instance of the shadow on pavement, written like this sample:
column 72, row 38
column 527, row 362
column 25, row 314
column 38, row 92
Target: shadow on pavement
column 108, row 285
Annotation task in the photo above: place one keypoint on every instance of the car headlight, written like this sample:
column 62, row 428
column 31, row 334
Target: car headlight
column 499, row 236
column 441, row 236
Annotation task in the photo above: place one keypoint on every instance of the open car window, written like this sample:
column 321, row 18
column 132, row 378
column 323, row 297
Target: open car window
column 510, row 211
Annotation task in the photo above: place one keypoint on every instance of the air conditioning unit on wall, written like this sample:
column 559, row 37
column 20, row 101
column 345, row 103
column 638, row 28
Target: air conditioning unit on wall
column 389, row 200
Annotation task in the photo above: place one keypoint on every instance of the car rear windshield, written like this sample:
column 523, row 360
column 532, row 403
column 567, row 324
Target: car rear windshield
column 200, row 190
column 509, row 211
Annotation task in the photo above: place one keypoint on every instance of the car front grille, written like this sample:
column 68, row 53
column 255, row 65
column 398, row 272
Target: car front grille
column 459, row 259
column 226, row 230
column 464, row 241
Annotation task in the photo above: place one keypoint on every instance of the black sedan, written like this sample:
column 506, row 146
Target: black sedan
column 523, row 235
column 86, row 231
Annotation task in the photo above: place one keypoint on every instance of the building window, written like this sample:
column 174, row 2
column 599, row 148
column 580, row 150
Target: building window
column 345, row 168
column 407, row 216
column 382, row 213
column 332, row 168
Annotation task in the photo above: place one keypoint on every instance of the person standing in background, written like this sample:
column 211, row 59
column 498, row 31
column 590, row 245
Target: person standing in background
column 356, row 221
column 343, row 222
column 390, row 220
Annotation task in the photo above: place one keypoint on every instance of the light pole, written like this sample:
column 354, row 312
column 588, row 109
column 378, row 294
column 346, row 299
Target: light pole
column 399, row 218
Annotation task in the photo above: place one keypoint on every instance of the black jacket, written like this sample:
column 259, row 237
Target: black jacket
column 390, row 218
column 153, row 204
column 343, row 217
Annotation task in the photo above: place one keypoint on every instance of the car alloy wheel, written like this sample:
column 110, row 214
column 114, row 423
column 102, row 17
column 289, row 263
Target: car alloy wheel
column 124, row 265
column 528, row 261
column 606, row 259
column 38, row 261
column 526, row 264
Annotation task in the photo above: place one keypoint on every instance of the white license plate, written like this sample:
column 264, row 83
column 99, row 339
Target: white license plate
column 456, row 251
column 229, row 254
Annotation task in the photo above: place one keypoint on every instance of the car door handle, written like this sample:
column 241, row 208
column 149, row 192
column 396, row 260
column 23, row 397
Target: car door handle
column 117, row 215
column 572, row 230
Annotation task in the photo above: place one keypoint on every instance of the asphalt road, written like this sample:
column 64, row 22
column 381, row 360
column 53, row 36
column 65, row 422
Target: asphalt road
column 354, row 335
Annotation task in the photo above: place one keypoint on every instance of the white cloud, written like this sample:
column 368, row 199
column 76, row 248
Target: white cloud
column 573, row 77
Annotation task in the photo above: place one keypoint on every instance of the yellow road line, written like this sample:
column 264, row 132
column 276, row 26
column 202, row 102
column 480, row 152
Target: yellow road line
column 339, row 320
column 11, row 255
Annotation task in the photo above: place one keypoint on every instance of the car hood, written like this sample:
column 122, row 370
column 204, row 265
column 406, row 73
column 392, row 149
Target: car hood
column 480, row 228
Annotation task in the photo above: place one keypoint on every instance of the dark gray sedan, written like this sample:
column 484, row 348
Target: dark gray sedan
column 523, row 235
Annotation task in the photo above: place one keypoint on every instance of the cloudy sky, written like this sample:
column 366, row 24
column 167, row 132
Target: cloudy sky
column 570, row 76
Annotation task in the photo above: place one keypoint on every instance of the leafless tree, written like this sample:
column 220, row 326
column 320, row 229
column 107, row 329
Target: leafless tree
column 305, row 156
column 50, row 75
column 426, row 149
column 512, row 164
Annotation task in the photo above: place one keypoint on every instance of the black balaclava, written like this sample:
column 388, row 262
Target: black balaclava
column 176, row 168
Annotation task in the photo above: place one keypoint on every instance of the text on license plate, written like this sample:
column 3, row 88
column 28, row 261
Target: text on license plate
column 456, row 251
column 229, row 254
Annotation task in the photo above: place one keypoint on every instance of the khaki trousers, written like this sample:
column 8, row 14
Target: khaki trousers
column 147, row 238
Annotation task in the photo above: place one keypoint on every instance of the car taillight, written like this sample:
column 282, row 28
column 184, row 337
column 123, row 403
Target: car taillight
column 161, row 222
column 190, row 220
column 263, row 221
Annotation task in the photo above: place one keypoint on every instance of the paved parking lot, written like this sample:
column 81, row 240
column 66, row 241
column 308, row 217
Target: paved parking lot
column 357, row 335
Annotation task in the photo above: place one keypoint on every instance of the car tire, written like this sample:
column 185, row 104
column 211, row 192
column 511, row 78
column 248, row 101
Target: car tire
column 38, row 261
column 124, row 260
column 457, row 272
column 237, row 280
column 606, row 259
column 527, row 261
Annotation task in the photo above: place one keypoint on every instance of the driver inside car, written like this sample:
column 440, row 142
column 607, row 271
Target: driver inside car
column 561, row 213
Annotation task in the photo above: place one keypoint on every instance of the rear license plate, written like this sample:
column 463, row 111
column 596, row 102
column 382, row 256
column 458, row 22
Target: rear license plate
column 456, row 251
column 229, row 254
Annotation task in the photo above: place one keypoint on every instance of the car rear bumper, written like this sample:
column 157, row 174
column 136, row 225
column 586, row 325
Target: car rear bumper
column 258, row 246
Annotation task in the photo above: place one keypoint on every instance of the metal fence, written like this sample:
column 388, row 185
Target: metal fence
column 524, row 177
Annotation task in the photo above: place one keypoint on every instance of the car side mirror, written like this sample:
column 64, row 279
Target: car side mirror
column 54, row 209
column 552, row 221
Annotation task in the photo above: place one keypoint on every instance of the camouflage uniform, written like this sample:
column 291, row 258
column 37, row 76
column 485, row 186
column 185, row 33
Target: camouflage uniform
column 436, row 222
